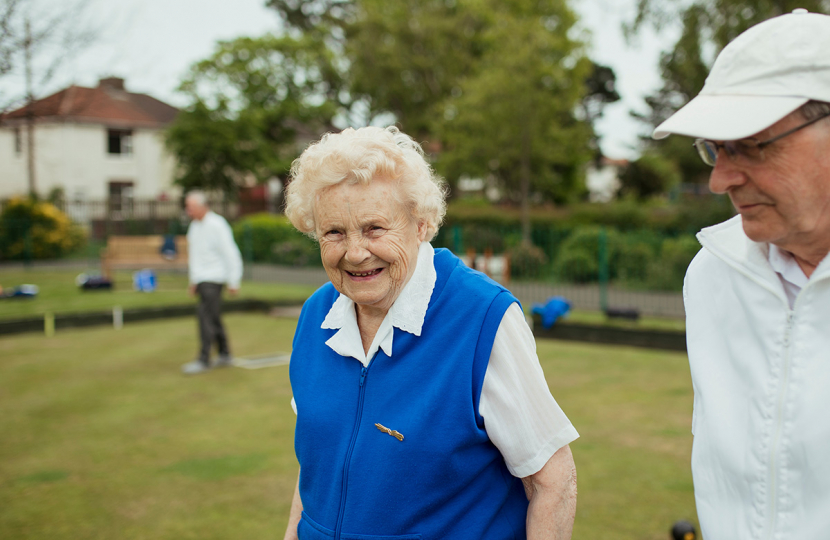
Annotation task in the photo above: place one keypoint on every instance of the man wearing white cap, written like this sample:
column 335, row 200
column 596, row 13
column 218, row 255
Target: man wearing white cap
column 758, row 293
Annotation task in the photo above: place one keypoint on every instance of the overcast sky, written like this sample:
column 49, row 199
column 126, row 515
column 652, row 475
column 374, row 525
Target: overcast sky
column 151, row 43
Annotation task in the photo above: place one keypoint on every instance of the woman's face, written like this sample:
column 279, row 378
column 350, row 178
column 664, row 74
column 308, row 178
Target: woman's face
column 368, row 241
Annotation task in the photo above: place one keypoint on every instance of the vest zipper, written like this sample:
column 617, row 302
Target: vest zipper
column 337, row 530
column 779, row 424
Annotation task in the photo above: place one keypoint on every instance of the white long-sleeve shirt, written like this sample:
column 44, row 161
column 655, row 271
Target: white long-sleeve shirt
column 212, row 254
column 521, row 416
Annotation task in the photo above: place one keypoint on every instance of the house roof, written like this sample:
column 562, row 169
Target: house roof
column 108, row 103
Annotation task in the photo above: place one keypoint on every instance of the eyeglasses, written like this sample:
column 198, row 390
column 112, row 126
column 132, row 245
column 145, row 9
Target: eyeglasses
column 752, row 149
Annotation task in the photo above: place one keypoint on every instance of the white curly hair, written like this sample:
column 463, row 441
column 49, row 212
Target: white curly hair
column 361, row 156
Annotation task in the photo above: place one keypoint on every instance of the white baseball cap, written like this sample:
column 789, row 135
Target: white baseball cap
column 763, row 75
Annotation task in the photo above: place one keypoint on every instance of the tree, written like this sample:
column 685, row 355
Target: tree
column 514, row 118
column 406, row 58
column 492, row 87
column 39, row 40
column 706, row 27
column 321, row 17
column 252, row 101
column 600, row 90
column 651, row 174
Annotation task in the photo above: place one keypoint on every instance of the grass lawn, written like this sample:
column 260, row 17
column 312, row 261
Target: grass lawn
column 59, row 293
column 651, row 323
column 104, row 438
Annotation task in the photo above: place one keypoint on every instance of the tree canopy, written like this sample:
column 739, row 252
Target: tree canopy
column 706, row 27
column 493, row 88
column 255, row 101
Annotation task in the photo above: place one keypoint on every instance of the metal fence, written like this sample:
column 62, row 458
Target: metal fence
column 595, row 268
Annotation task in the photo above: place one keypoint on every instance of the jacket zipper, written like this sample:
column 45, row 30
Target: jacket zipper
column 779, row 424
column 337, row 530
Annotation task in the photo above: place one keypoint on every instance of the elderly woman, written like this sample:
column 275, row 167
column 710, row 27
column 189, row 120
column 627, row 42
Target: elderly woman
column 422, row 410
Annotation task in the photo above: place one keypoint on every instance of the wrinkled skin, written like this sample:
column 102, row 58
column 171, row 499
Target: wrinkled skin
column 368, row 243
column 784, row 199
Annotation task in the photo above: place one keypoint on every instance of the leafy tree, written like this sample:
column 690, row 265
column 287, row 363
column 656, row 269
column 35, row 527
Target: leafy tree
column 706, row 27
column 406, row 58
column 600, row 90
column 494, row 88
column 254, row 100
column 314, row 16
column 513, row 118
column 651, row 174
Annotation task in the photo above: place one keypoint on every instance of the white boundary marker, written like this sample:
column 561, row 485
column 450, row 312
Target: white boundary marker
column 259, row 362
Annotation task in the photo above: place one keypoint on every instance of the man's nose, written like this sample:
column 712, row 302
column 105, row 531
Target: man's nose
column 725, row 175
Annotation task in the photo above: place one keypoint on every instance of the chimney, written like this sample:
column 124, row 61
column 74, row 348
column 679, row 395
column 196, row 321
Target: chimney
column 111, row 83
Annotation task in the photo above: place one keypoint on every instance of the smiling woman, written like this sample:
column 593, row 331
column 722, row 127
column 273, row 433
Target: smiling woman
column 373, row 203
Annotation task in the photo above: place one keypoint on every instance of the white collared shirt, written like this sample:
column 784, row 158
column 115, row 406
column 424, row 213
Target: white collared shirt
column 522, row 419
column 789, row 272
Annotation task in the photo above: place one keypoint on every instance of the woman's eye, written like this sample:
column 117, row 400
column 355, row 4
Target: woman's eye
column 333, row 234
column 375, row 231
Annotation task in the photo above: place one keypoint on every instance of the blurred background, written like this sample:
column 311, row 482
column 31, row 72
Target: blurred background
column 538, row 114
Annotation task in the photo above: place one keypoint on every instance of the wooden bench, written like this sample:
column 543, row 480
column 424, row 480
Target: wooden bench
column 138, row 252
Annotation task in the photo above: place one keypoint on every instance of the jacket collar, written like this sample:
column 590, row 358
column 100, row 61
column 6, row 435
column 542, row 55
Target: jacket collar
column 728, row 242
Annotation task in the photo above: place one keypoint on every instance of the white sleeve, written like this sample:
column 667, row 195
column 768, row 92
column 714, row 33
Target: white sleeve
column 231, row 255
column 520, row 415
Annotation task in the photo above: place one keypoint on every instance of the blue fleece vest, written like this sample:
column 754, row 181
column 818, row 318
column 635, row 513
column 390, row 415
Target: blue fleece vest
column 445, row 479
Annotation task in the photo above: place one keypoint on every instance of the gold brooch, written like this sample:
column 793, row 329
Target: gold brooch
column 390, row 431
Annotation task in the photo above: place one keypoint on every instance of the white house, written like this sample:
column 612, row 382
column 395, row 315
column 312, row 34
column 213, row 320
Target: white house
column 94, row 143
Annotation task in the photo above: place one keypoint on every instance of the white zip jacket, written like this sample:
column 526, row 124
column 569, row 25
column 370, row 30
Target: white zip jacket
column 761, row 376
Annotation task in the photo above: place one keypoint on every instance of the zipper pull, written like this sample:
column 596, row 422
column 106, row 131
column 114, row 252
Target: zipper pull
column 363, row 372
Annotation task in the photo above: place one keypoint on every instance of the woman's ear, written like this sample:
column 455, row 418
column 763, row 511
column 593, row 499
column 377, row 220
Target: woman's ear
column 422, row 230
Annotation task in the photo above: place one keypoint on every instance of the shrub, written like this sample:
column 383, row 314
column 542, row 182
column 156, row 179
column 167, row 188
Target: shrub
column 481, row 238
column 526, row 261
column 666, row 272
column 37, row 230
column 271, row 238
column 578, row 257
column 633, row 261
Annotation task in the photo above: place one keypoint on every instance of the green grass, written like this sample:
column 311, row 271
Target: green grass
column 59, row 293
column 104, row 438
column 651, row 323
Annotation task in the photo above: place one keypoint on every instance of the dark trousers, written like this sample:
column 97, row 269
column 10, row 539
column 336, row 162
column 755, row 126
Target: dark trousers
column 210, row 320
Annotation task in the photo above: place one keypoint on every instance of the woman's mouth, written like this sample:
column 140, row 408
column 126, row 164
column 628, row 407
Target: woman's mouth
column 366, row 274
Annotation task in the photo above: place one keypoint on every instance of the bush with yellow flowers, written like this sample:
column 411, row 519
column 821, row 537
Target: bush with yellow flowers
column 31, row 229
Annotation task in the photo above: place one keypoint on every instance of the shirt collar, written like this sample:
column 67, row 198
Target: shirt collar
column 786, row 266
column 407, row 313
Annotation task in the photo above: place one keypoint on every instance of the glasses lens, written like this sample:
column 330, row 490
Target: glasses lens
column 707, row 150
column 747, row 148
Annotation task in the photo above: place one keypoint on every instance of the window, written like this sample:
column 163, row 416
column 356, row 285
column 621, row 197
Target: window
column 18, row 142
column 120, row 141
column 121, row 197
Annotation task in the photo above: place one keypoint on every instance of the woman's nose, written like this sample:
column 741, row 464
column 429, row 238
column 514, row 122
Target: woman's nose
column 356, row 249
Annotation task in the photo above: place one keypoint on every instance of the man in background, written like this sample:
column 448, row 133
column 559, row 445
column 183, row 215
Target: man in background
column 213, row 260
column 758, row 294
